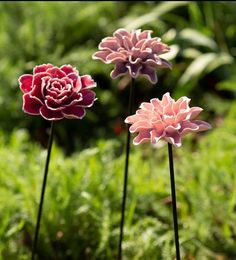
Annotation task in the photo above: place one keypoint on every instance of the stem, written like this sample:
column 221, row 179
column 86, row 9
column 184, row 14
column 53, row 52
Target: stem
column 174, row 208
column 42, row 192
column 131, row 102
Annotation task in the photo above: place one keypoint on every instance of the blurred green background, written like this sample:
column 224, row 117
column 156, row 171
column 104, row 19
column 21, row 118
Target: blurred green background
column 83, row 197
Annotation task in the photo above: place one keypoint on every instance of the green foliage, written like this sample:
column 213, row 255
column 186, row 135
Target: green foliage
column 201, row 36
column 82, row 204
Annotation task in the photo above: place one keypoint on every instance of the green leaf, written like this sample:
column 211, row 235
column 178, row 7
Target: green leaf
column 160, row 10
column 197, row 38
column 205, row 63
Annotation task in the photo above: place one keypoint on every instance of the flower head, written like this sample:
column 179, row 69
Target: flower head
column 165, row 119
column 56, row 93
column 135, row 53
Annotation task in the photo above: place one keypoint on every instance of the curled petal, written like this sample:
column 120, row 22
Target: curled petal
column 88, row 98
column 150, row 73
column 26, row 83
column 101, row 55
column 31, row 105
column 119, row 69
column 165, row 119
column 67, row 69
column 42, row 68
column 87, row 82
column 56, row 73
column 74, row 112
column 142, row 137
column 174, row 139
column 50, row 114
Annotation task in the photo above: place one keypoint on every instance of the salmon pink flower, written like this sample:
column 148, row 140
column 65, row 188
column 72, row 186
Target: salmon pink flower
column 57, row 93
column 165, row 119
column 135, row 53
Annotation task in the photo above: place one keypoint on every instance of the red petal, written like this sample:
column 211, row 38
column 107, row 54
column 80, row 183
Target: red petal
column 87, row 82
column 26, row 82
column 56, row 73
column 67, row 69
column 88, row 98
column 74, row 112
column 37, row 84
column 42, row 68
column 31, row 105
column 50, row 114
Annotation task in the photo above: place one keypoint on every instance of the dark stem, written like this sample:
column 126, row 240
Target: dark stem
column 174, row 208
column 131, row 102
column 42, row 193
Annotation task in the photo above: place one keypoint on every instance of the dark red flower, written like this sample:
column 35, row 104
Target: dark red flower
column 57, row 93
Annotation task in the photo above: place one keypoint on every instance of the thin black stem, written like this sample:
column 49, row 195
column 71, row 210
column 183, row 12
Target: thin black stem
column 174, row 208
column 42, row 193
column 131, row 102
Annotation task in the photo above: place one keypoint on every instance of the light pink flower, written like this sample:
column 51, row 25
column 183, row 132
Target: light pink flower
column 55, row 93
column 165, row 119
column 134, row 53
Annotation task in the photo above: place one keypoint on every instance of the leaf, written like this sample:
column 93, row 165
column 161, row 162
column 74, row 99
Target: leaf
column 205, row 63
column 229, row 84
column 158, row 11
column 197, row 38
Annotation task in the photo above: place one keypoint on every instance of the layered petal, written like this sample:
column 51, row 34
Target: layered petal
column 165, row 119
column 57, row 93
column 135, row 53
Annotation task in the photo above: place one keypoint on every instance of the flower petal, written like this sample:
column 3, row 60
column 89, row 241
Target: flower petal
column 74, row 112
column 142, row 137
column 49, row 114
column 42, row 68
column 87, row 82
column 31, row 105
column 150, row 73
column 26, row 82
column 119, row 70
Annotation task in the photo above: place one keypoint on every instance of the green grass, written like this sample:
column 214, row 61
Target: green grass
column 83, row 196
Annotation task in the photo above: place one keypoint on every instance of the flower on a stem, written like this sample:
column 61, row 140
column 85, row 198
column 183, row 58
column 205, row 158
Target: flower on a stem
column 165, row 119
column 135, row 53
column 57, row 93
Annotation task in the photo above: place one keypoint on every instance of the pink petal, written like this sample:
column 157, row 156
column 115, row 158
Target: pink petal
column 67, row 69
column 87, row 82
column 174, row 139
column 101, row 55
column 156, row 135
column 127, row 43
column 31, row 105
column 26, row 82
column 56, row 73
column 150, row 73
column 166, row 99
column 116, row 57
column 75, row 112
column 142, row 137
column 140, row 125
column 203, row 126
column 49, row 114
column 110, row 45
column 194, row 112
column 145, row 34
column 42, row 68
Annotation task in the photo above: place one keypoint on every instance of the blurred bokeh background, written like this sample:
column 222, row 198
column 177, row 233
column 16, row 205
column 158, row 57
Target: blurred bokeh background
column 84, row 190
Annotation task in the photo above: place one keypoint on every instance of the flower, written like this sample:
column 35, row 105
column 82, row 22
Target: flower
column 56, row 93
column 134, row 53
column 165, row 119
